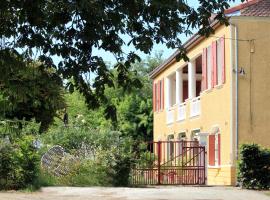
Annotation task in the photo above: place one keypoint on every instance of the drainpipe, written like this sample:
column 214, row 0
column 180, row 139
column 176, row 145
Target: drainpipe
column 236, row 90
column 235, row 64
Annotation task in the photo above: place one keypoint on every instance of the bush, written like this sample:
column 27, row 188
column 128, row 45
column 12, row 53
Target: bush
column 18, row 163
column 104, row 157
column 254, row 167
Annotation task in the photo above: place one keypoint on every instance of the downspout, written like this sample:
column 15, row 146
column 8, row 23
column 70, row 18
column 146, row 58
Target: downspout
column 234, row 110
column 232, row 100
column 236, row 92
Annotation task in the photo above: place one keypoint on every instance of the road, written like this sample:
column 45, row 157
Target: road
column 154, row 193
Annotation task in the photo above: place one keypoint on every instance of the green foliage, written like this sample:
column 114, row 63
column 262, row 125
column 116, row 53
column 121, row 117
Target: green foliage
column 72, row 30
column 29, row 91
column 254, row 167
column 18, row 163
column 104, row 155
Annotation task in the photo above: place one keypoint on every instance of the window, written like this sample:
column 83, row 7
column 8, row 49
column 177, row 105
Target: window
column 209, row 67
column 170, row 147
column 161, row 94
column 214, row 148
column 182, row 138
column 219, row 62
column 217, row 136
column 156, row 98
column 158, row 95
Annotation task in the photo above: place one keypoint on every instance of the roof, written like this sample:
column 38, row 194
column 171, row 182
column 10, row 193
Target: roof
column 256, row 8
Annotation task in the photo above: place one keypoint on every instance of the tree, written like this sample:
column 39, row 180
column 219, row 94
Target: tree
column 29, row 91
column 72, row 29
column 133, row 116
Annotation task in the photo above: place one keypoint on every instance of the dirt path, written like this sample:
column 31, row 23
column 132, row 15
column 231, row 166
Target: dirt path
column 156, row 193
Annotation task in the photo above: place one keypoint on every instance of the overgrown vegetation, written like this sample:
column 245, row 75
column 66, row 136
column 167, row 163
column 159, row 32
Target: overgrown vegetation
column 19, row 159
column 254, row 167
column 103, row 147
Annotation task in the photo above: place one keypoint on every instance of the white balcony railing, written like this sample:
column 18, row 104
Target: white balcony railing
column 181, row 112
column 195, row 107
column 170, row 116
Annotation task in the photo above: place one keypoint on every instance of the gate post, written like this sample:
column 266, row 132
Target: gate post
column 159, row 160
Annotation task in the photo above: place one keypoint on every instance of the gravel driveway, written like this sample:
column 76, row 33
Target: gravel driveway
column 155, row 193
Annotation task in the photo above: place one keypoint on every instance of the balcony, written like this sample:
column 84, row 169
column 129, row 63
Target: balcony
column 195, row 107
column 181, row 112
column 183, row 89
column 170, row 116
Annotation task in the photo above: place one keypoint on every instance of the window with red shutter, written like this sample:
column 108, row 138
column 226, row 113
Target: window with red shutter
column 222, row 41
column 214, row 64
column 162, row 96
column 204, row 69
column 211, row 150
column 154, row 97
column 214, row 149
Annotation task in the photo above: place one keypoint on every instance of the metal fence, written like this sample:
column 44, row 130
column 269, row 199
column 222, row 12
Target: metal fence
column 170, row 163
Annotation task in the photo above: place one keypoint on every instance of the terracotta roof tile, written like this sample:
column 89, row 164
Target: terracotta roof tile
column 260, row 9
column 256, row 8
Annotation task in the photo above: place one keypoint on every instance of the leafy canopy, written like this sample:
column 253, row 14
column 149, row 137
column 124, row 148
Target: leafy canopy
column 29, row 91
column 71, row 30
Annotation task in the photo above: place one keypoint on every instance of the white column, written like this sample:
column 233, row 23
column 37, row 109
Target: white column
column 167, row 93
column 179, row 86
column 191, row 79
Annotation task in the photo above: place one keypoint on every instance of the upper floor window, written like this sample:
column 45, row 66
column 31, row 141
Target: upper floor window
column 220, row 61
column 213, row 64
column 158, row 95
column 209, row 67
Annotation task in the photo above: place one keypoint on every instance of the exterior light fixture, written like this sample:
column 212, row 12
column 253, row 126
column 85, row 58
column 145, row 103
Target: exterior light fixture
column 241, row 72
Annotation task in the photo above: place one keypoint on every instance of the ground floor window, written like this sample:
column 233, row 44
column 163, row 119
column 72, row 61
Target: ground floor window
column 181, row 144
column 214, row 148
column 170, row 147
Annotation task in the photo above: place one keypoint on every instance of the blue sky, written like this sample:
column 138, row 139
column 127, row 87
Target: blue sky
column 157, row 47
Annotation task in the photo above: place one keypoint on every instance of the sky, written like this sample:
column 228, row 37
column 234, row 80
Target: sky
column 108, row 57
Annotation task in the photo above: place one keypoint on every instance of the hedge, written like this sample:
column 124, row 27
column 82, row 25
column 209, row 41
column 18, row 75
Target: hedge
column 254, row 167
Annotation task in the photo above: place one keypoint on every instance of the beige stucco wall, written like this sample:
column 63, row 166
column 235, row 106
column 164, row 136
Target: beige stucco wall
column 215, row 111
column 254, row 87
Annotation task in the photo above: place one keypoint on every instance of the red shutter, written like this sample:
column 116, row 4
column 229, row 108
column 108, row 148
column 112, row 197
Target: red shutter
column 162, row 90
column 158, row 95
column 154, row 97
column 222, row 43
column 204, row 69
column 214, row 63
column 211, row 150
column 219, row 149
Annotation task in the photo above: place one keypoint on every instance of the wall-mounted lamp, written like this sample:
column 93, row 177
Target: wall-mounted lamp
column 241, row 71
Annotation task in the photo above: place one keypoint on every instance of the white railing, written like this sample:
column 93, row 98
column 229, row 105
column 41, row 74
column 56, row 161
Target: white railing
column 195, row 107
column 170, row 116
column 181, row 112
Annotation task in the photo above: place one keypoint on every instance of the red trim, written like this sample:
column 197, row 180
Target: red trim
column 211, row 150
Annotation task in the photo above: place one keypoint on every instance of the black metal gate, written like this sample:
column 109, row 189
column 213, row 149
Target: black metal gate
column 170, row 163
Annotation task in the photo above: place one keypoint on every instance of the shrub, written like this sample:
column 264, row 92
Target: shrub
column 18, row 163
column 254, row 167
column 103, row 156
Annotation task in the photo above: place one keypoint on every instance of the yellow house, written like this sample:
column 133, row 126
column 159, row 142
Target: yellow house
column 221, row 97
